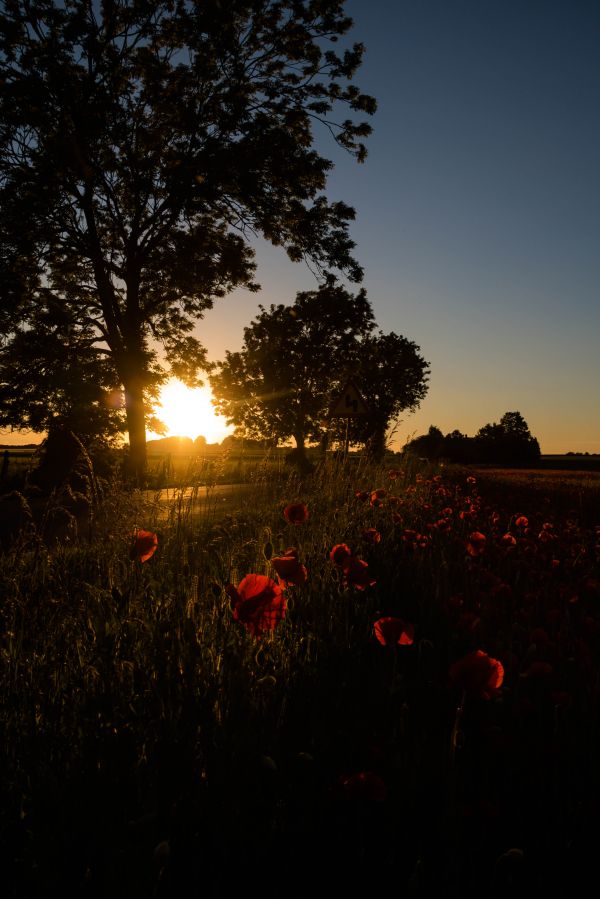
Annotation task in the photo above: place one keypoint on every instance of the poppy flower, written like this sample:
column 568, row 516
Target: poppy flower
column 391, row 631
column 362, row 495
column 356, row 574
column 371, row 535
column 476, row 543
column 296, row 513
column 258, row 602
column 143, row 545
column 477, row 673
column 289, row 570
column 339, row 554
column 522, row 522
column 365, row 786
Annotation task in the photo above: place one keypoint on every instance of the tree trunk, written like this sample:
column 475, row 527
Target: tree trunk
column 299, row 457
column 136, row 426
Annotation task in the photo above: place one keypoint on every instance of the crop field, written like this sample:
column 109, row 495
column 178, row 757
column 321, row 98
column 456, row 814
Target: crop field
column 369, row 678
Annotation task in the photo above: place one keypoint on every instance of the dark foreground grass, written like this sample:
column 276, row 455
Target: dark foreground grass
column 152, row 746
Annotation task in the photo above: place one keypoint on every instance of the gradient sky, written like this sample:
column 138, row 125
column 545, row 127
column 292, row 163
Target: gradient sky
column 478, row 210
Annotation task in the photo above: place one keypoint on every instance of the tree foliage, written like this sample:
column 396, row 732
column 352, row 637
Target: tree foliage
column 392, row 377
column 296, row 359
column 144, row 144
column 508, row 441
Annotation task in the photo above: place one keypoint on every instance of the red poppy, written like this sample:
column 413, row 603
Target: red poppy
column 365, row 785
column 296, row 513
column 289, row 570
column 371, row 535
column 391, row 631
column 143, row 545
column 377, row 496
column 258, row 602
column 476, row 543
column 339, row 554
column 356, row 574
column 477, row 673
column 522, row 522
column 509, row 540
column 362, row 495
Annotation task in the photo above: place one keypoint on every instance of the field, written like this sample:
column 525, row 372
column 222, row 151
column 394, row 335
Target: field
column 408, row 701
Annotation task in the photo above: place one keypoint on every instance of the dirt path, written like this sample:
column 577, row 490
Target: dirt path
column 57, row 520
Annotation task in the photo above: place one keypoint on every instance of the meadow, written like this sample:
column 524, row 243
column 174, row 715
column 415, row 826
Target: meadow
column 403, row 695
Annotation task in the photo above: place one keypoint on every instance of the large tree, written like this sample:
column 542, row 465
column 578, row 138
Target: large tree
column 142, row 144
column 392, row 377
column 279, row 384
column 508, row 441
column 296, row 359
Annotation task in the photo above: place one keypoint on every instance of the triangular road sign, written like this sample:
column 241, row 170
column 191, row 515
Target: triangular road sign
column 348, row 403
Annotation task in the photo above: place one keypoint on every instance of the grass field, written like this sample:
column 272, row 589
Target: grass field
column 418, row 711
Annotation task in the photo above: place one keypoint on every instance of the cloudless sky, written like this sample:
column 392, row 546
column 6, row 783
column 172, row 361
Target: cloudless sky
column 477, row 210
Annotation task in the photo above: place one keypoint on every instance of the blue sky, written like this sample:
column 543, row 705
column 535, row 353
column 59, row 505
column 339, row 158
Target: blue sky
column 478, row 210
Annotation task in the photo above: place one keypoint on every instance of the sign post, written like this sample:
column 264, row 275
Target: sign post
column 347, row 405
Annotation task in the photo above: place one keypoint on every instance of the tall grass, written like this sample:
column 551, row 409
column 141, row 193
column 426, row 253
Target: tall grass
column 152, row 745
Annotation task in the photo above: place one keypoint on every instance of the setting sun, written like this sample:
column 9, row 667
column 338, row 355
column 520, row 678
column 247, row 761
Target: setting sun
column 188, row 412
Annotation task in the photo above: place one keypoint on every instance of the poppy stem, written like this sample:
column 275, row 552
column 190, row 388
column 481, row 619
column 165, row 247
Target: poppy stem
column 457, row 738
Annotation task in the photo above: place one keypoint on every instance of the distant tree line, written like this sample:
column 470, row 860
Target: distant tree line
column 505, row 442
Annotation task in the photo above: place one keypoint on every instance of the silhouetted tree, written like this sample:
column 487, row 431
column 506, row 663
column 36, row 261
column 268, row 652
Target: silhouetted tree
column 392, row 377
column 280, row 384
column 52, row 376
column 428, row 445
column 505, row 442
column 508, row 441
column 141, row 145
column 296, row 359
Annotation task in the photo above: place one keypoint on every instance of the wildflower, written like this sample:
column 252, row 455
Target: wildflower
column 476, row 543
column 296, row 513
column 477, row 674
column 443, row 525
column 538, row 669
column 509, row 540
column 471, row 480
column 362, row 495
column 339, row 554
column 289, row 570
column 377, row 496
column 143, row 545
column 371, row 535
column 522, row 522
column 356, row 574
column 365, row 785
column 391, row 631
column 258, row 602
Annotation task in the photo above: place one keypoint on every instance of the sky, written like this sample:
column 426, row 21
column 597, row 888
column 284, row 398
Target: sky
column 477, row 211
